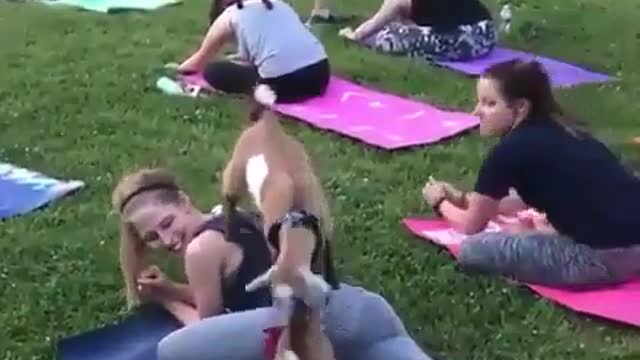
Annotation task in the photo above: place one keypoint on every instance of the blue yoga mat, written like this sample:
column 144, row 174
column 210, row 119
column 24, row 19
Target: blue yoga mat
column 23, row 190
column 135, row 338
column 109, row 6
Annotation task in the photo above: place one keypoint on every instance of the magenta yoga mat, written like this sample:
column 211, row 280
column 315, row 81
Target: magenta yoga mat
column 379, row 119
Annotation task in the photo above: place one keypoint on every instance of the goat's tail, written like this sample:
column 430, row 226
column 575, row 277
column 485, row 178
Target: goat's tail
column 264, row 98
column 230, row 212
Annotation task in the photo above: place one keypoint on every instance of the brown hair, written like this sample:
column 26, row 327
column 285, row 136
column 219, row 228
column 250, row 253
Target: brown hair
column 218, row 6
column 528, row 80
column 131, row 192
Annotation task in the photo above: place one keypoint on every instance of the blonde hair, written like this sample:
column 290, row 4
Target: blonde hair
column 133, row 190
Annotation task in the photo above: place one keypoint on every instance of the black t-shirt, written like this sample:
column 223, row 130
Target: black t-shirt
column 256, row 260
column 583, row 188
column 448, row 14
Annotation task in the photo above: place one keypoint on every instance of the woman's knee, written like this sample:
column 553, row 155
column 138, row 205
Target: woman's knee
column 358, row 318
column 230, row 77
column 381, row 314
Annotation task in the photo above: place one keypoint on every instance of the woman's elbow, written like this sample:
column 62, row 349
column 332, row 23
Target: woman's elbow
column 468, row 230
column 472, row 227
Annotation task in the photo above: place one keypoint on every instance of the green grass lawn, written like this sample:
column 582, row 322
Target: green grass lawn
column 77, row 100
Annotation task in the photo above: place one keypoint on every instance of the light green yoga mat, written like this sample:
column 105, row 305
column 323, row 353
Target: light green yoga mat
column 108, row 6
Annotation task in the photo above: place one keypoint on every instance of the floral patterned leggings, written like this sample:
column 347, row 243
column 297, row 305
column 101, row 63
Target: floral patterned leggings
column 464, row 43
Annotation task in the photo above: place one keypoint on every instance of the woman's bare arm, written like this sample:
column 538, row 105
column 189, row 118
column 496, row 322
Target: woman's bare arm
column 389, row 11
column 509, row 205
column 474, row 218
column 204, row 259
column 180, row 292
column 185, row 313
column 218, row 34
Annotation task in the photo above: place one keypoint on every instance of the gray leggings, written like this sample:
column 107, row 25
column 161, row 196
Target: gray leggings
column 548, row 259
column 361, row 326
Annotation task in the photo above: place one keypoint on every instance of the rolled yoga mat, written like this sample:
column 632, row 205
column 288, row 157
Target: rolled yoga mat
column 23, row 190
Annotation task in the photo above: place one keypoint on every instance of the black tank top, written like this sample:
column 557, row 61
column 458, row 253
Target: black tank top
column 256, row 260
column 445, row 15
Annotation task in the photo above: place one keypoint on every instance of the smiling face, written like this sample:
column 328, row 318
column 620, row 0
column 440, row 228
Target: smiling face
column 165, row 226
column 497, row 114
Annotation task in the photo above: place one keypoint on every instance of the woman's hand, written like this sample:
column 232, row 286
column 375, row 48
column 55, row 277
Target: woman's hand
column 433, row 192
column 454, row 195
column 525, row 221
column 152, row 283
column 347, row 33
column 540, row 222
column 238, row 59
column 194, row 64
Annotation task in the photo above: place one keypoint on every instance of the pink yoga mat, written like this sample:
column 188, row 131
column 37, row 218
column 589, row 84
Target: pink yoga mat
column 376, row 118
column 619, row 303
column 562, row 74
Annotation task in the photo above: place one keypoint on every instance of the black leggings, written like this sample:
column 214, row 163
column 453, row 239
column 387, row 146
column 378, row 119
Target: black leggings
column 233, row 78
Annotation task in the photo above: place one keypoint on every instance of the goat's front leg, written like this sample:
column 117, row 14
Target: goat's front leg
column 296, row 246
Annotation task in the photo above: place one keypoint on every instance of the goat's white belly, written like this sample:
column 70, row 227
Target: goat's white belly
column 256, row 173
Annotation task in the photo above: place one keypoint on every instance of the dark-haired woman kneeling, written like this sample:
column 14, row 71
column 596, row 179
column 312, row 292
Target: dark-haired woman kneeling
column 275, row 48
column 589, row 198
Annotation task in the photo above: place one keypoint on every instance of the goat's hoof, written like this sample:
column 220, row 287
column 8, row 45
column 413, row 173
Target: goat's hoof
column 290, row 355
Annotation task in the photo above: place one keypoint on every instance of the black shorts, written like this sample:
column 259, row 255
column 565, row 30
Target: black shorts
column 304, row 83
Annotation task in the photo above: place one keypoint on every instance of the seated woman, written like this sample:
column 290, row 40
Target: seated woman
column 222, row 320
column 435, row 30
column 275, row 48
column 588, row 236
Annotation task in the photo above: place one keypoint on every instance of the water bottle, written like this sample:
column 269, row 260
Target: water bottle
column 505, row 17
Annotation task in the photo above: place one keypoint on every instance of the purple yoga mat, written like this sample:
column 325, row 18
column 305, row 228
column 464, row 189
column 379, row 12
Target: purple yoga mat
column 562, row 74
column 375, row 118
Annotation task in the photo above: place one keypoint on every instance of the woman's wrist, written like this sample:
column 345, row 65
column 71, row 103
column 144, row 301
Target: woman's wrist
column 456, row 196
column 436, row 206
column 460, row 199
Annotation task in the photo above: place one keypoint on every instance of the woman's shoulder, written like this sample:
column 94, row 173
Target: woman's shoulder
column 534, row 130
column 246, row 220
column 516, row 145
column 206, row 243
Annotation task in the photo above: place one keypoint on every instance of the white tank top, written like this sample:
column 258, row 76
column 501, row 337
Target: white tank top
column 275, row 41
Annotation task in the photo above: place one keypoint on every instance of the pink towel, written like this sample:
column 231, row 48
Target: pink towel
column 619, row 303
